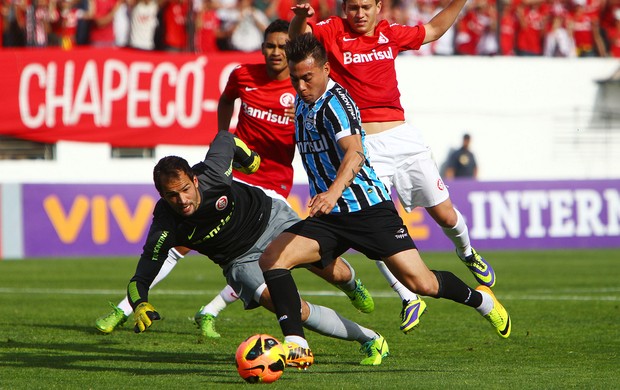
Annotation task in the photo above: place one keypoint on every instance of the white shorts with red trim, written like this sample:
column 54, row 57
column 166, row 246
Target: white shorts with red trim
column 403, row 161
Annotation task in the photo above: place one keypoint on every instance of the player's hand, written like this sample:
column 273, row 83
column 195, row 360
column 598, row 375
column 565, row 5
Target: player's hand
column 245, row 160
column 322, row 203
column 303, row 10
column 289, row 112
column 144, row 315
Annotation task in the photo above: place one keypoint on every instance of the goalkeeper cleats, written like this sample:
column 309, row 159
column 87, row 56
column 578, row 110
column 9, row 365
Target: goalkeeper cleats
column 110, row 321
column 498, row 316
column 206, row 324
column 360, row 297
column 297, row 356
column 411, row 313
column 376, row 350
column 480, row 268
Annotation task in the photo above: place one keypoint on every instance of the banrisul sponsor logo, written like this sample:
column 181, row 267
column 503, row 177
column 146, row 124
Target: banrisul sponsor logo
column 268, row 115
column 375, row 55
column 315, row 146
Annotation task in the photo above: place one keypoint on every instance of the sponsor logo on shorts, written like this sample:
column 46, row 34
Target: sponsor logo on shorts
column 221, row 203
column 401, row 233
column 440, row 185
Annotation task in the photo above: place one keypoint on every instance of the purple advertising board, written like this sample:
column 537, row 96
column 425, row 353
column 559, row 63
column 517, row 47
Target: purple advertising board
column 113, row 219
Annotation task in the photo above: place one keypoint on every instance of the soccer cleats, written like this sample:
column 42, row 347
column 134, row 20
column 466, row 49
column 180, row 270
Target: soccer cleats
column 411, row 313
column 297, row 356
column 206, row 324
column 480, row 268
column 376, row 349
column 360, row 297
column 498, row 316
column 112, row 320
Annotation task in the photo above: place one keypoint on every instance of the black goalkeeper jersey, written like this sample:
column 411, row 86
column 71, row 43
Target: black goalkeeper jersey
column 229, row 220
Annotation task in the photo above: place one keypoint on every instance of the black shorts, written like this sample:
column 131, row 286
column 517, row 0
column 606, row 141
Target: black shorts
column 377, row 232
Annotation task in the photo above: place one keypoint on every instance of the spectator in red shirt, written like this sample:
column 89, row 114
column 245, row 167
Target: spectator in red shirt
column 586, row 31
column 102, row 31
column 175, row 28
column 208, row 28
column 613, row 36
column 532, row 18
column 507, row 31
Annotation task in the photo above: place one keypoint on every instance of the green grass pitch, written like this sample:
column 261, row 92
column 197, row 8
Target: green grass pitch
column 565, row 308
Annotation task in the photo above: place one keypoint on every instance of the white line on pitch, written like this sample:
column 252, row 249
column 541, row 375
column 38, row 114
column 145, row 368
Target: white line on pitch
column 584, row 296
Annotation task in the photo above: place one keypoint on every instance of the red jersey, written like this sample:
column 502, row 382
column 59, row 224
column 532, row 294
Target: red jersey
column 206, row 37
column 364, row 65
column 103, row 35
column 174, row 24
column 263, row 126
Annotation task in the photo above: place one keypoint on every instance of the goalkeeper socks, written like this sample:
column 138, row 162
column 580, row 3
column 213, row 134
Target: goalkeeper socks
column 219, row 303
column 286, row 300
column 125, row 306
column 403, row 292
column 328, row 322
column 453, row 288
column 459, row 235
column 350, row 285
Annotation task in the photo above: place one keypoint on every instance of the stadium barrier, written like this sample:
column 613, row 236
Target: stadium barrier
column 82, row 220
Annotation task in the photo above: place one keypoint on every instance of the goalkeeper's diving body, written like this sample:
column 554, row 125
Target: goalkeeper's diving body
column 203, row 209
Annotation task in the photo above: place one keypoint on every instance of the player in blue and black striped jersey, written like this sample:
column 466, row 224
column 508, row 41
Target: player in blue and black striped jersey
column 349, row 208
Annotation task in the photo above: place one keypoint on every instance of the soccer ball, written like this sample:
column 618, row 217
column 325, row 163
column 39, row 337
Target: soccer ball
column 260, row 358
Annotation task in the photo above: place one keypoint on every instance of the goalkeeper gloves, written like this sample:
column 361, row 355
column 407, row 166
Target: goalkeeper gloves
column 245, row 160
column 144, row 315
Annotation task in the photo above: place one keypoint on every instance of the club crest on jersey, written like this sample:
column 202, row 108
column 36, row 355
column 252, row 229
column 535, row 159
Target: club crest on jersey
column 440, row 185
column 287, row 99
column 375, row 55
column 382, row 39
column 221, row 203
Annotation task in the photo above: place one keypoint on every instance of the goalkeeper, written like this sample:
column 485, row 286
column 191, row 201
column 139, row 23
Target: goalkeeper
column 203, row 209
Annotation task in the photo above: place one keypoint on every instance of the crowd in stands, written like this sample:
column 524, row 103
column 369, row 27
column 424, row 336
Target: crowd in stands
column 555, row 28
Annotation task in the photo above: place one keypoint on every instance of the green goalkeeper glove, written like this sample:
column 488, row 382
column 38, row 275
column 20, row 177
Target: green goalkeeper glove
column 144, row 315
column 246, row 160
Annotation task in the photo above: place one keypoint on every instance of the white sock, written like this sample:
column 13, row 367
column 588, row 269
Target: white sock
column 459, row 235
column 487, row 304
column 403, row 292
column 350, row 285
column 297, row 340
column 169, row 264
column 328, row 322
column 219, row 303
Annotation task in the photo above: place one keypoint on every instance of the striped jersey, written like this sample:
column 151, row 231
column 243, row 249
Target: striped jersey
column 318, row 127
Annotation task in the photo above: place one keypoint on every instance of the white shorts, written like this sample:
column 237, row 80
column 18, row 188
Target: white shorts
column 403, row 161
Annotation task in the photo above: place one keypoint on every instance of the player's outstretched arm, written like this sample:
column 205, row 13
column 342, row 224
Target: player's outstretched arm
column 439, row 24
column 299, row 23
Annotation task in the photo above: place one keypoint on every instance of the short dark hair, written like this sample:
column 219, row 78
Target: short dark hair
column 304, row 46
column 276, row 26
column 171, row 166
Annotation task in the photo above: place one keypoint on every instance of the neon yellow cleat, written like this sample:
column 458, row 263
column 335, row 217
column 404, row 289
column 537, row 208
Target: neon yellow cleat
column 360, row 297
column 107, row 323
column 411, row 313
column 206, row 324
column 299, row 357
column 498, row 316
column 376, row 349
column 480, row 268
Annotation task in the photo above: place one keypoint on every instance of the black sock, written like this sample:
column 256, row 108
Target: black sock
column 285, row 298
column 453, row 288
